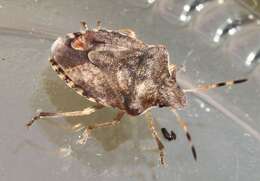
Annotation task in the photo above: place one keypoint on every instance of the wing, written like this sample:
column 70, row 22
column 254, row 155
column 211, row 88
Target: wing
column 109, row 57
column 105, row 77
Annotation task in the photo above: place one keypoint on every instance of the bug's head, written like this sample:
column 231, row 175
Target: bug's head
column 172, row 95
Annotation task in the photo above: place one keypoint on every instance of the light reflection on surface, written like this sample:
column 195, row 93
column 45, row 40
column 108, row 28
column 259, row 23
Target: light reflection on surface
column 227, row 148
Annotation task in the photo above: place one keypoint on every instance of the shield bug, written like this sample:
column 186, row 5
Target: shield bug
column 116, row 69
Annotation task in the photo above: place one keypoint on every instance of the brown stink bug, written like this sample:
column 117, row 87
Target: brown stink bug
column 114, row 68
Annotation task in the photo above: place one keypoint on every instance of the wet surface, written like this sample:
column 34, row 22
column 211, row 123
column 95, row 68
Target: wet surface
column 224, row 123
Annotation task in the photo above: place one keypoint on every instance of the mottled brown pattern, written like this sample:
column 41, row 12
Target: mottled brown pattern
column 119, row 70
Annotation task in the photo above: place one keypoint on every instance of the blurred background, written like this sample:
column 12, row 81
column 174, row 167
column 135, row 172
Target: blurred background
column 213, row 40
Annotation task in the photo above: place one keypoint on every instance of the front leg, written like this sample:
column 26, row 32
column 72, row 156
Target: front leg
column 155, row 135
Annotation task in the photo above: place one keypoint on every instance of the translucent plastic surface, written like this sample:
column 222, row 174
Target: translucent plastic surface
column 224, row 123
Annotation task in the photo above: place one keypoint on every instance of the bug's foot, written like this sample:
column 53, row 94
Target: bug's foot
column 84, row 137
column 162, row 158
column 29, row 124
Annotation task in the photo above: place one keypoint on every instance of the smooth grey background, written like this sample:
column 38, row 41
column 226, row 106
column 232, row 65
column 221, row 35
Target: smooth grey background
column 224, row 123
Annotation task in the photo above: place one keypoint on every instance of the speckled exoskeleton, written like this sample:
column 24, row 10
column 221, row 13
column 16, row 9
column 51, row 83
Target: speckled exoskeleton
column 116, row 69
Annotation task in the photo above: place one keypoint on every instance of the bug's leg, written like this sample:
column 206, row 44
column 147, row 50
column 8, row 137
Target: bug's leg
column 184, row 126
column 128, row 32
column 206, row 87
column 172, row 67
column 89, row 128
column 98, row 25
column 155, row 135
column 83, row 26
column 172, row 70
column 83, row 112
